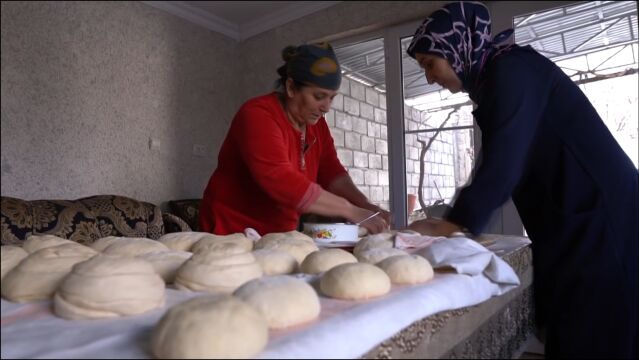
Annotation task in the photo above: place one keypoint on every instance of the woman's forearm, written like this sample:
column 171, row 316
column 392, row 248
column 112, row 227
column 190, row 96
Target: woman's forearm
column 344, row 187
column 329, row 204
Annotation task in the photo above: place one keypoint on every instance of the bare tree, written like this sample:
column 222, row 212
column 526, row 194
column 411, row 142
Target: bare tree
column 422, row 154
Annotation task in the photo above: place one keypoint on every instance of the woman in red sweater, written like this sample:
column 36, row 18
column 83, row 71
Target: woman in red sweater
column 278, row 159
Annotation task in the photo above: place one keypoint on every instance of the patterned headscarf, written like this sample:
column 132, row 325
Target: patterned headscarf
column 460, row 33
column 314, row 64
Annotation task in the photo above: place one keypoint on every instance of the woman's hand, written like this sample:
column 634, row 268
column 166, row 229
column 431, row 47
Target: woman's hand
column 374, row 225
column 383, row 213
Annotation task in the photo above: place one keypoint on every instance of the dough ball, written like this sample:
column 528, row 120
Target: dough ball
column 407, row 269
column 134, row 247
column 38, row 275
column 355, row 281
column 283, row 300
column 11, row 256
column 373, row 256
column 362, row 231
column 293, row 242
column 326, row 259
column 223, row 269
column 166, row 263
column 275, row 262
column 37, row 242
column 296, row 235
column 109, row 286
column 381, row 240
column 208, row 327
column 215, row 240
column 103, row 243
column 183, row 241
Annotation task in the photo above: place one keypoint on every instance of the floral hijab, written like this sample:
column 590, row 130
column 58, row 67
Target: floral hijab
column 460, row 33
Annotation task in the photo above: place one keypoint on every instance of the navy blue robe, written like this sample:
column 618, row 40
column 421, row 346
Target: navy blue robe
column 544, row 145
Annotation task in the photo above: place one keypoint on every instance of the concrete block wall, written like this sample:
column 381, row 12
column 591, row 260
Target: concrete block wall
column 358, row 124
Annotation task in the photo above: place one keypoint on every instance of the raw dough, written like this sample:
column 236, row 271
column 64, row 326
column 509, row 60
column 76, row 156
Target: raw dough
column 37, row 242
column 109, row 286
column 275, row 262
column 293, row 234
column 375, row 255
column 38, row 275
column 134, row 247
column 293, row 242
column 381, row 240
column 222, row 269
column 407, row 269
column 355, row 281
column 214, row 240
column 326, row 259
column 208, row 327
column 11, row 255
column 103, row 243
column 283, row 300
column 183, row 241
column 166, row 263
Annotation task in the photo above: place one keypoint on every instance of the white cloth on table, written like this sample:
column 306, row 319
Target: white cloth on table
column 343, row 330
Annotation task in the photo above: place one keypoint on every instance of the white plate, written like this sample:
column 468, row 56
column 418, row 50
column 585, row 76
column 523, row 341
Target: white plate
column 337, row 243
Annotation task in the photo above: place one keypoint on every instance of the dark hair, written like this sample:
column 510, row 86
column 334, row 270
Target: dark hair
column 288, row 53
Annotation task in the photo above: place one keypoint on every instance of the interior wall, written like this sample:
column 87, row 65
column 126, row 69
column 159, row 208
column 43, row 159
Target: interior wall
column 261, row 55
column 87, row 85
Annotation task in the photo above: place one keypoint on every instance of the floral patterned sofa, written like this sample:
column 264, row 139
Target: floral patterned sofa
column 85, row 220
column 187, row 210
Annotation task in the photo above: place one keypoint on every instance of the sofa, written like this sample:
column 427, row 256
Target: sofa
column 187, row 210
column 85, row 220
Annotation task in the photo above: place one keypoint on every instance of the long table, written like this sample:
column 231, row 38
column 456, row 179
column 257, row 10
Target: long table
column 473, row 322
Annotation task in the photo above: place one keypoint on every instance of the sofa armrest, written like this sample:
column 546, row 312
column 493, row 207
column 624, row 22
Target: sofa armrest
column 174, row 223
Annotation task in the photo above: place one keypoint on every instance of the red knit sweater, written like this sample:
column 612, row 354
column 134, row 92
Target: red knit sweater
column 259, row 181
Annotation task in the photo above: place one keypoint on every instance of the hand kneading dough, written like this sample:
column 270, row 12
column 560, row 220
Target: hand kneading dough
column 183, row 241
column 407, row 269
column 213, row 241
column 283, row 300
column 375, row 255
column 207, row 327
column 326, row 259
column 11, row 256
column 275, row 262
column 223, row 269
column 134, row 247
column 37, row 242
column 38, row 275
column 293, row 242
column 356, row 281
column 109, row 286
column 166, row 263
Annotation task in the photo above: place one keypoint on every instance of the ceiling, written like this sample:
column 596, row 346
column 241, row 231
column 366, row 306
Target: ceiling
column 241, row 20
column 558, row 33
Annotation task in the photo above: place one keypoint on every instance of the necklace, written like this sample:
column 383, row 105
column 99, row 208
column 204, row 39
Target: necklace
column 303, row 149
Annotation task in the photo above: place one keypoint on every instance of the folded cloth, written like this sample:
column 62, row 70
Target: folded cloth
column 407, row 241
column 469, row 257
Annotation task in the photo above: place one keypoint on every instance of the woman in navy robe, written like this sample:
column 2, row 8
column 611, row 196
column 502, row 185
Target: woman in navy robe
column 576, row 191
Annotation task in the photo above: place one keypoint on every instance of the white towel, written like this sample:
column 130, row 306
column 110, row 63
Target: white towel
column 469, row 257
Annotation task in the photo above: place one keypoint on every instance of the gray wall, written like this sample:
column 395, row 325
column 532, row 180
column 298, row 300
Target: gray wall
column 85, row 85
column 261, row 54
